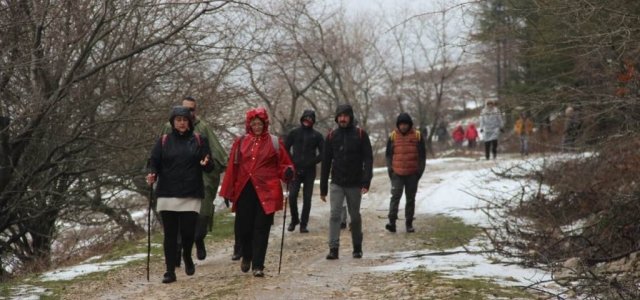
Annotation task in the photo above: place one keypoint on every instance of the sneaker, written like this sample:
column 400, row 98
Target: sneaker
column 189, row 266
column 258, row 273
column 303, row 229
column 237, row 253
column 169, row 277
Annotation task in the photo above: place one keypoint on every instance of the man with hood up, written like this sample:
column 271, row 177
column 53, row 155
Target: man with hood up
column 307, row 144
column 406, row 155
column 349, row 158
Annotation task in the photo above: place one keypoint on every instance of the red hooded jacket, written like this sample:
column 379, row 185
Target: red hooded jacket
column 472, row 133
column 259, row 162
column 458, row 134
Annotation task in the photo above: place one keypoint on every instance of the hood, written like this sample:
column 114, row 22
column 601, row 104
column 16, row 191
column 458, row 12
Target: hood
column 344, row 109
column 261, row 113
column 472, row 125
column 404, row 118
column 181, row 111
column 309, row 113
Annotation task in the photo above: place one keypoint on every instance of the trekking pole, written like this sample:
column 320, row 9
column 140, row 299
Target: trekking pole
column 284, row 223
column 149, row 229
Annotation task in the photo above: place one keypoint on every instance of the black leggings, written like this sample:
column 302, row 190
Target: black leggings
column 173, row 222
column 491, row 144
column 252, row 227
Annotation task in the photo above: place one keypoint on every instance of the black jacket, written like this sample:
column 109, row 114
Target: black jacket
column 177, row 165
column 305, row 141
column 347, row 155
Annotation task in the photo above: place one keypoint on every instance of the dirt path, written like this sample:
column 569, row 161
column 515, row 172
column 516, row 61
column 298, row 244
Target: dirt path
column 306, row 274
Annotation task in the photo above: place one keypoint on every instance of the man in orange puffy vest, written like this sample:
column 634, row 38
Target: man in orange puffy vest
column 406, row 157
column 523, row 129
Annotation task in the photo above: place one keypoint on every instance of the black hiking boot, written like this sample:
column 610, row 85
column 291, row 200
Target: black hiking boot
column 237, row 253
column 303, row 229
column 169, row 277
column 189, row 266
column 245, row 265
column 410, row 228
column 292, row 225
column 258, row 273
column 333, row 253
column 391, row 226
column 343, row 225
column 201, row 250
column 357, row 251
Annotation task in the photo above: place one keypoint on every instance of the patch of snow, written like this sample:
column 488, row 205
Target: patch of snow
column 28, row 292
column 84, row 269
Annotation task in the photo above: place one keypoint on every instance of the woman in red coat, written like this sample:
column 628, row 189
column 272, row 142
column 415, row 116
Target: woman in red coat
column 471, row 135
column 458, row 136
column 252, row 183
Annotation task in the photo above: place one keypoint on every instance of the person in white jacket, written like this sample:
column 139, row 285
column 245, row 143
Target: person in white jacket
column 491, row 125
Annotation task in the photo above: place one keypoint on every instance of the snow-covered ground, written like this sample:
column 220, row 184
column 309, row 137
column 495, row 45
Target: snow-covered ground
column 448, row 187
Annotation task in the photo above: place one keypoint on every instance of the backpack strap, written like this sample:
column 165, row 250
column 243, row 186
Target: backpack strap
column 198, row 138
column 164, row 140
column 392, row 136
column 274, row 141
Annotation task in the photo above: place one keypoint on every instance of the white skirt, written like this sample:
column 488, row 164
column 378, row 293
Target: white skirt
column 179, row 204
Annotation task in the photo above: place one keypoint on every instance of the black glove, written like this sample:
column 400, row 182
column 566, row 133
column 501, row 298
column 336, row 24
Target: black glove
column 227, row 201
column 288, row 173
column 501, row 130
column 481, row 130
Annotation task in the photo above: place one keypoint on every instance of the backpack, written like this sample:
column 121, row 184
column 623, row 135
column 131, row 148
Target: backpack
column 392, row 136
column 164, row 139
column 274, row 141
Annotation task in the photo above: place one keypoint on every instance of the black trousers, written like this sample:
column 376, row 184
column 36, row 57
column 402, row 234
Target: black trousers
column 174, row 222
column 409, row 184
column 304, row 178
column 491, row 145
column 252, row 227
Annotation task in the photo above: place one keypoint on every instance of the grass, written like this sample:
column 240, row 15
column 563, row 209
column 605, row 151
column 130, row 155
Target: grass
column 444, row 232
column 458, row 289
column 222, row 230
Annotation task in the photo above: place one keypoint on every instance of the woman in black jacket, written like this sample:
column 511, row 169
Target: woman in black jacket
column 179, row 158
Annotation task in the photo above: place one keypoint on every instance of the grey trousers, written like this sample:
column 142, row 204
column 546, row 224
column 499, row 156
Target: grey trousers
column 336, row 196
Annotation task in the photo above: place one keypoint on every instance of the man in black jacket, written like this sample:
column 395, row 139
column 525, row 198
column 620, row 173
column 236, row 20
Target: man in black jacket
column 307, row 145
column 349, row 158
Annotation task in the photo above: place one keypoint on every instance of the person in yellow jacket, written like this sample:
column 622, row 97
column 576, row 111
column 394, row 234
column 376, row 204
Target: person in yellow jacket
column 211, row 180
column 523, row 128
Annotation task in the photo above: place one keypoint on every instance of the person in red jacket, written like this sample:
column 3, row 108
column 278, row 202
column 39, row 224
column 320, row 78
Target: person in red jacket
column 472, row 135
column 458, row 136
column 252, row 183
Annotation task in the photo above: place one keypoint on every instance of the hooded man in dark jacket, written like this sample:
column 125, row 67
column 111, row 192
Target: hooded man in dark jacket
column 307, row 145
column 349, row 158
column 406, row 157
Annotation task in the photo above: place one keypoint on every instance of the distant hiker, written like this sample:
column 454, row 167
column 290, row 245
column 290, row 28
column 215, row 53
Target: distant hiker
column 491, row 125
column 405, row 156
column 523, row 128
column 179, row 158
column 471, row 135
column 572, row 126
column 442, row 133
column 211, row 180
column 349, row 158
column 458, row 136
column 257, row 164
column 305, row 146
